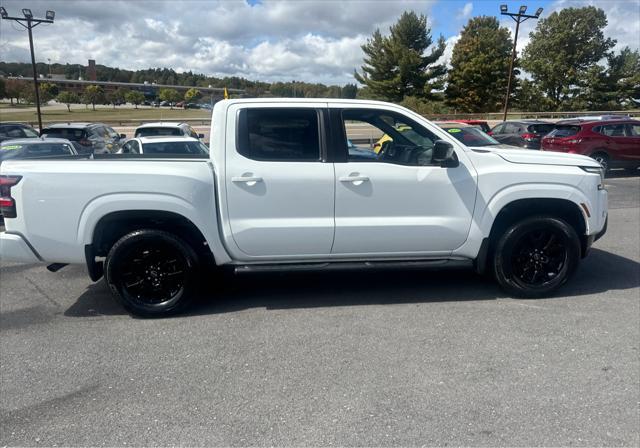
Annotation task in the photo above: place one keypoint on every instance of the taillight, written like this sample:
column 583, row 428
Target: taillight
column 7, row 203
column 489, row 132
column 529, row 137
column 574, row 141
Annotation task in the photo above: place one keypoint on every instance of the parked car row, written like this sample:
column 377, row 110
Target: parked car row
column 22, row 141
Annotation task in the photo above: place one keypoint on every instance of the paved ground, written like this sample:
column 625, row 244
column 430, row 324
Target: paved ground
column 351, row 359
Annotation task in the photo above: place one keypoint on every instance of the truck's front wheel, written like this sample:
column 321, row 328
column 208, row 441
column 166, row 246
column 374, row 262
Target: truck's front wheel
column 536, row 256
column 151, row 272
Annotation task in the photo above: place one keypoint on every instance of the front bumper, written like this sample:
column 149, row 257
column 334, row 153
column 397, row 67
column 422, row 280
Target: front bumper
column 14, row 247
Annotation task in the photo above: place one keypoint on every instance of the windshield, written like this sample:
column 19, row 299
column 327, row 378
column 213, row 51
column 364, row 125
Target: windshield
column 149, row 132
column 472, row 136
column 9, row 150
column 169, row 148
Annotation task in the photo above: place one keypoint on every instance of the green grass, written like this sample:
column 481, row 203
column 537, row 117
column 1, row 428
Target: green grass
column 108, row 115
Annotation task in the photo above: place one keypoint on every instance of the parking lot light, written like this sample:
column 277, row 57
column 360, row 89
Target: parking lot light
column 29, row 23
column 518, row 17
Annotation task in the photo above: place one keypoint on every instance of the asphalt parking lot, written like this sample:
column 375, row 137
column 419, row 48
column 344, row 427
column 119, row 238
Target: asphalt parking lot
column 438, row 358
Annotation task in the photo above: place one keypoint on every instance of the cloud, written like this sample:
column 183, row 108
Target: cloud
column 466, row 11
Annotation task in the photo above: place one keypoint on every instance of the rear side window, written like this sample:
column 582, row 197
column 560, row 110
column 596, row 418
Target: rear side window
column 613, row 130
column 542, row 129
column 633, row 130
column 564, row 131
column 511, row 128
column 272, row 134
column 73, row 134
column 162, row 131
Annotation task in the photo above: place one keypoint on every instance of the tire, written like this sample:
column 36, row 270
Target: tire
column 152, row 273
column 602, row 158
column 632, row 170
column 536, row 256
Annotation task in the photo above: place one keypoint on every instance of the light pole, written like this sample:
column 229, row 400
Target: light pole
column 29, row 22
column 519, row 17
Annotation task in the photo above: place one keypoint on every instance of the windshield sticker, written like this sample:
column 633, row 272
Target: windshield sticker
column 454, row 130
column 7, row 147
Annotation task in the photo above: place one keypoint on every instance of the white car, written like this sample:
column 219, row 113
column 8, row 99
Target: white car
column 164, row 146
column 166, row 129
column 281, row 191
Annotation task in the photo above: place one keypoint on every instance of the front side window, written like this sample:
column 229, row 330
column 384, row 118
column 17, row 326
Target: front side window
column 279, row 134
column 384, row 136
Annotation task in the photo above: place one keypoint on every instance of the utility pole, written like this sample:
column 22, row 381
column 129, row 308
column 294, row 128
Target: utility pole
column 518, row 17
column 29, row 22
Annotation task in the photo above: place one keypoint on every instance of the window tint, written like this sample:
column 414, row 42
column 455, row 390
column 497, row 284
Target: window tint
column 498, row 129
column 166, row 131
column 613, row 130
column 564, row 130
column 511, row 128
column 173, row 148
column 633, row 130
column 471, row 136
column 279, row 134
column 383, row 136
column 131, row 147
column 66, row 133
column 30, row 132
column 542, row 129
column 112, row 133
column 12, row 132
column 25, row 150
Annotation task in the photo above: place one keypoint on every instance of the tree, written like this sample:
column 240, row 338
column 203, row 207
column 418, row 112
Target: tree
column 397, row 65
column 192, row 95
column 92, row 95
column 115, row 97
column 562, row 49
column 14, row 89
column 134, row 97
column 68, row 98
column 529, row 97
column 349, row 91
column 47, row 91
column 170, row 95
column 477, row 80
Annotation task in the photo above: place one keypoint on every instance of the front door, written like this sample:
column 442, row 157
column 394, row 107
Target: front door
column 390, row 199
column 280, row 192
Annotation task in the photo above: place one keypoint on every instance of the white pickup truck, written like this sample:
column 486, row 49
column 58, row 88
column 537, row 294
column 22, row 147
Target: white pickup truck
column 283, row 189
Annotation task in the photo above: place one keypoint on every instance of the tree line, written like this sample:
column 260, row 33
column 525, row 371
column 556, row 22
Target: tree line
column 568, row 64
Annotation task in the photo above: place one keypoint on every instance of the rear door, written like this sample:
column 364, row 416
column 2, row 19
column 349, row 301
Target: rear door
column 616, row 140
column 632, row 145
column 279, row 189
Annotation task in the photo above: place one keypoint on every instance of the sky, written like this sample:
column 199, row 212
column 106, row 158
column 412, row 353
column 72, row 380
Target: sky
column 266, row 40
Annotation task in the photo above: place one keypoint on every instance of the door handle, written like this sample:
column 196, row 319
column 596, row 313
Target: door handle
column 354, row 179
column 251, row 180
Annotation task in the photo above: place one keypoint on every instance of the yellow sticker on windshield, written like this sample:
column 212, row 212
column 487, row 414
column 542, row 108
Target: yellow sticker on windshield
column 454, row 130
column 12, row 147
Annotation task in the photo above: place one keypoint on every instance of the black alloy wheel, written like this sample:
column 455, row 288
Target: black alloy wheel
column 151, row 272
column 536, row 256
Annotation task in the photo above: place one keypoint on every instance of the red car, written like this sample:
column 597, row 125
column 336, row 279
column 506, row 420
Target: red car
column 483, row 125
column 613, row 143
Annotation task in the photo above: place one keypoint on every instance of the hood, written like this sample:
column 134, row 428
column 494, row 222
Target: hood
column 499, row 146
column 542, row 157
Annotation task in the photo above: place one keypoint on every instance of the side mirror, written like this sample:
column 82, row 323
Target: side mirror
column 123, row 135
column 200, row 135
column 444, row 155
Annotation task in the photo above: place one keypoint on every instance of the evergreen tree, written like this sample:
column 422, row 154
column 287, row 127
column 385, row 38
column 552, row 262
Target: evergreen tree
column 397, row 65
column 477, row 80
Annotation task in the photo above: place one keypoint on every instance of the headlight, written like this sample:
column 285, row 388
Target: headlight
column 595, row 170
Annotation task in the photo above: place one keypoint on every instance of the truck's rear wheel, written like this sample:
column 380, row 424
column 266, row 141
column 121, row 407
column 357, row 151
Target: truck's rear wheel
column 151, row 272
column 536, row 256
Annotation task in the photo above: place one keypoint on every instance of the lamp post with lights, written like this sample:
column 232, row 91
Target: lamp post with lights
column 29, row 22
column 519, row 17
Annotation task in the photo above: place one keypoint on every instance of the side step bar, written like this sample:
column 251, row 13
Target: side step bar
column 354, row 266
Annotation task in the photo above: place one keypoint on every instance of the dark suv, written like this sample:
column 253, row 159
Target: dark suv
column 613, row 143
column 10, row 131
column 88, row 138
column 525, row 134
